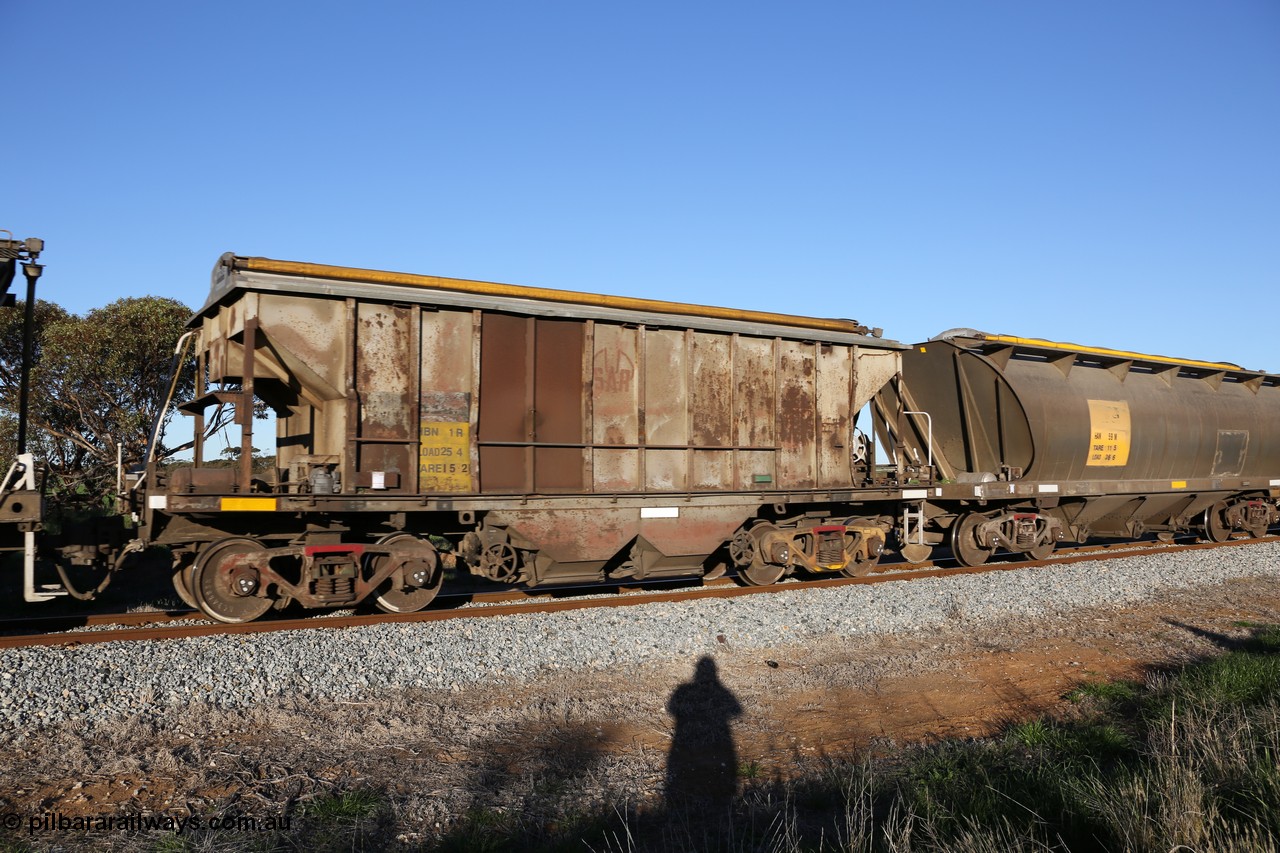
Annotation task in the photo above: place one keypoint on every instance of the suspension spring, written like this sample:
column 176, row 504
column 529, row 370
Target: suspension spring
column 1026, row 535
column 831, row 549
column 331, row 586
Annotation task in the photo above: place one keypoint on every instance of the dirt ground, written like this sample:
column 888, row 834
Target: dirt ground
column 596, row 737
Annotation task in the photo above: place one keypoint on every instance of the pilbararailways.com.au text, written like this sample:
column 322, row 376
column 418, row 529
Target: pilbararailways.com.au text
column 47, row 822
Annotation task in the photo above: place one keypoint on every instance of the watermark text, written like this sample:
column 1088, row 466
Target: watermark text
column 51, row 822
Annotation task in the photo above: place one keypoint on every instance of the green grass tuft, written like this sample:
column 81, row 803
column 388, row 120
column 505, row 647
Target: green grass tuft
column 1106, row 691
column 347, row 807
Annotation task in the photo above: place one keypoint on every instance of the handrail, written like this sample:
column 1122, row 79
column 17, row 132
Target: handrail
column 179, row 354
column 929, row 438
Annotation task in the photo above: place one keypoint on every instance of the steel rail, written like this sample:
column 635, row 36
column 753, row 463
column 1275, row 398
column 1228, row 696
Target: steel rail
column 721, row 589
column 67, row 622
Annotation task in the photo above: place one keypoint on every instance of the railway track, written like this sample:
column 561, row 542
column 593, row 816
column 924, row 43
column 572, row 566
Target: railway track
column 160, row 625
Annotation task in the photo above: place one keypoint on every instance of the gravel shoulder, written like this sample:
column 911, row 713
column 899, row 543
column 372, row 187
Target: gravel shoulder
column 567, row 711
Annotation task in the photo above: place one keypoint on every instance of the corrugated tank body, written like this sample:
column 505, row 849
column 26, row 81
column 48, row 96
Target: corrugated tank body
column 1012, row 408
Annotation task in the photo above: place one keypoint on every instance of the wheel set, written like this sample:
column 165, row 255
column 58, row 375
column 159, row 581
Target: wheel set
column 764, row 553
column 227, row 584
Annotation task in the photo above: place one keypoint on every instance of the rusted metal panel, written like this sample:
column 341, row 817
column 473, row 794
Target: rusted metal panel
column 558, row 391
column 301, row 342
column 666, row 377
column 666, row 470
column 559, row 405
column 711, row 385
column 835, row 429
column 713, row 470
column 215, row 342
column 755, row 419
column 757, row 469
column 506, row 403
column 329, row 437
column 754, row 382
column 234, row 314
column 604, row 534
column 502, row 470
column 874, row 368
column 614, row 387
column 588, row 402
column 383, row 370
column 558, row 469
column 309, row 339
column 445, row 450
column 797, row 415
column 692, row 531
column 531, row 396
column 244, row 408
column 571, row 535
column 666, row 410
column 347, row 461
column 384, row 379
column 412, row 481
column 505, row 373
column 615, row 470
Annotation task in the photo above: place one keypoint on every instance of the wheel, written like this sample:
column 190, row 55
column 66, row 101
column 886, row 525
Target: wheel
column 858, row 567
column 1042, row 552
column 182, row 586
column 1216, row 528
column 408, row 597
column 758, row 572
column 964, row 541
column 762, row 574
column 224, row 592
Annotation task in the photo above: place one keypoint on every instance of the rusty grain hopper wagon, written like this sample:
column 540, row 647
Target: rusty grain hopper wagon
column 430, row 426
column 1036, row 442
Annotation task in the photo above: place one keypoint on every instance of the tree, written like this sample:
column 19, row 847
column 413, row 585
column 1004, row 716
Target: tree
column 97, row 381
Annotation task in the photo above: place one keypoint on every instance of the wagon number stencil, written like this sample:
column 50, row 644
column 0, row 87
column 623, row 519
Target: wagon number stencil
column 444, row 456
column 1109, row 426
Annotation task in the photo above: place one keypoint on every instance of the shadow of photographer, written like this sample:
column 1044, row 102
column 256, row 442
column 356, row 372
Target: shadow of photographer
column 702, row 765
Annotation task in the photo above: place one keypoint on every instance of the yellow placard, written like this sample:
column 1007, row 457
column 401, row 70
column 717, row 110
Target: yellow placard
column 248, row 504
column 444, row 456
column 1109, row 433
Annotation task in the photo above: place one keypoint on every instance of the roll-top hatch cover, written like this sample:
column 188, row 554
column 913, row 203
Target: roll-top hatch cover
column 1000, row 348
column 233, row 272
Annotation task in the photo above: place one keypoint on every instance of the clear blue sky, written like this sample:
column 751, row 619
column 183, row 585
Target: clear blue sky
column 1102, row 172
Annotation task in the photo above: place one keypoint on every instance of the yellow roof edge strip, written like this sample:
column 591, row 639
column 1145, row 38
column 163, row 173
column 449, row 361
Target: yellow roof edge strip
column 486, row 288
column 1112, row 353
